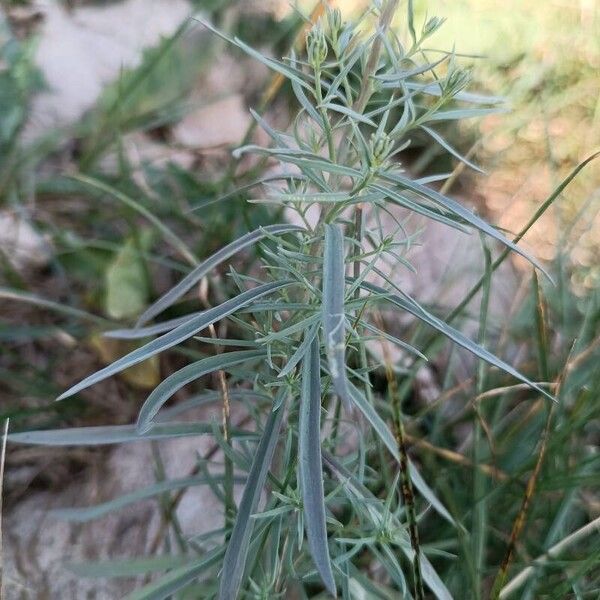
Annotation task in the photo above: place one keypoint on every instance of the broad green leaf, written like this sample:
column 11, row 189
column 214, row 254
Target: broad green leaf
column 334, row 319
column 409, row 305
column 177, row 579
column 191, row 372
column 208, row 265
column 179, row 334
column 310, row 466
column 236, row 554
column 115, row 434
column 126, row 280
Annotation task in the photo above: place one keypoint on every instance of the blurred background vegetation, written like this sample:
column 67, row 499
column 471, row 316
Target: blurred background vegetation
column 92, row 208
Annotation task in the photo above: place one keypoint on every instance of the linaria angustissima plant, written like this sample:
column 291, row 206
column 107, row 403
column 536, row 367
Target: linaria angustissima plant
column 301, row 361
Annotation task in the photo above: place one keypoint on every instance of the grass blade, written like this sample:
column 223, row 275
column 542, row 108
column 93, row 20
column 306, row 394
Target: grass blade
column 236, row 554
column 167, row 234
column 178, row 335
column 310, row 466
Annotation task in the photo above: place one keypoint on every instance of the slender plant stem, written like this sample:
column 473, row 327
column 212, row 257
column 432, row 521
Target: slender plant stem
column 479, row 482
column 406, row 486
column 519, row 522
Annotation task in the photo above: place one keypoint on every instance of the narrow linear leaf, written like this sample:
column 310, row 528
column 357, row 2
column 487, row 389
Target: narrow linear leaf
column 374, row 506
column 127, row 567
column 301, row 159
column 310, row 466
column 178, row 335
column 408, row 304
column 435, row 89
column 444, row 144
column 300, row 351
column 349, row 113
column 89, row 513
column 333, row 309
column 115, row 434
column 177, row 579
column 465, row 113
column 420, row 209
column 208, row 265
column 236, row 554
column 428, row 493
column 191, row 372
column 378, row 424
column 275, row 65
column 383, row 431
column 459, row 210
column 19, row 296
column 143, row 332
column 397, row 76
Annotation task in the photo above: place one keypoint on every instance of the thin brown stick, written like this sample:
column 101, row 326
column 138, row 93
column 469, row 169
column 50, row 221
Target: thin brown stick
column 519, row 523
column 457, row 458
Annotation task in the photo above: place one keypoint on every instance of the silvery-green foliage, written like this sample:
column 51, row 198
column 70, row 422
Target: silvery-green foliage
column 304, row 325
